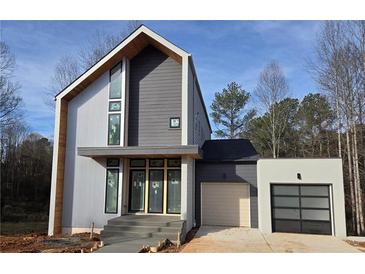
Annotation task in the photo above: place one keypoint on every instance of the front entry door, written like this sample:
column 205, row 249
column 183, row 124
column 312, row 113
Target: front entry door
column 155, row 189
column 137, row 190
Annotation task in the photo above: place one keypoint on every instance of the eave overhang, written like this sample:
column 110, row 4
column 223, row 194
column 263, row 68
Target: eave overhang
column 141, row 151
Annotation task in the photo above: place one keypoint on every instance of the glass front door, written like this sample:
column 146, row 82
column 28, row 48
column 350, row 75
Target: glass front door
column 155, row 189
column 155, row 186
column 137, row 190
column 173, row 191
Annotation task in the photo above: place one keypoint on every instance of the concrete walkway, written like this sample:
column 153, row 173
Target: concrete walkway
column 229, row 240
column 127, row 245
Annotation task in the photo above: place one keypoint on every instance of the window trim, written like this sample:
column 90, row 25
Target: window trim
column 163, row 186
column 173, row 127
column 137, row 167
column 120, row 68
column 130, row 210
column 106, row 191
column 167, row 192
column 109, row 115
column 112, row 159
column 116, row 110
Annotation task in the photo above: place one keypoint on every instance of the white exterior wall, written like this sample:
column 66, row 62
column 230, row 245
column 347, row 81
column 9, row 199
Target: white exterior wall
column 187, row 191
column 85, row 178
column 313, row 171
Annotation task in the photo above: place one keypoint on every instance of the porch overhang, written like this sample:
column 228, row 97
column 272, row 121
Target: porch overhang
column 141, row 151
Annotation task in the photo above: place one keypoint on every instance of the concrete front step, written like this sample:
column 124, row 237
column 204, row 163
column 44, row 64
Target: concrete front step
column 124, row 227
column 145, row 223
column 132, row 234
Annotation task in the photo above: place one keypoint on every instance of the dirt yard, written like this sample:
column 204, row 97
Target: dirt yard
column 37, row 243
column 359, row 245
column 174, row 248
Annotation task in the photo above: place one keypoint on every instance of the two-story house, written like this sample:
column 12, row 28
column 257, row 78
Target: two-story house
column 132, row 138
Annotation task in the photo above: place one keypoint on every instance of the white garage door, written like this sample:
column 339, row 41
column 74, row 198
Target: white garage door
column 226, row 204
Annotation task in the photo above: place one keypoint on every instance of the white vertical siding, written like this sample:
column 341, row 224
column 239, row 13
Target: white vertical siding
column 85, row 178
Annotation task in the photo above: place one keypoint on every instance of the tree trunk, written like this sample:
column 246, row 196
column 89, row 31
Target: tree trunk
column 338, row 125
column 358, row 183
column 352, row 194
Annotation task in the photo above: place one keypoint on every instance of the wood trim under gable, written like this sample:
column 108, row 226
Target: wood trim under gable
column 60, row 167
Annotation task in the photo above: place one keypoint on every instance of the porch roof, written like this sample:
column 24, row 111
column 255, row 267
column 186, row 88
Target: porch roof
column 141, row 151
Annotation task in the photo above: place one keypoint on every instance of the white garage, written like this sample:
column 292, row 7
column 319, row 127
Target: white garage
column 301, row 196
column 225, row 204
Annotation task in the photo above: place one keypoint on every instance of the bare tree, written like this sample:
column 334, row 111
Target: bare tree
column 339, row 71
column 272, row 88
column 70, row 67
column 66, row 71
column 9, row 99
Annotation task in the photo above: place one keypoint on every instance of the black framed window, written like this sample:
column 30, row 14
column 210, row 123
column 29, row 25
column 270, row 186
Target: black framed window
column 112, row 162
column 115, row 91
column 174, row 122
column 115, row 106
column 114, row 129
column 156, row 162
column 137, row 163
column 111, row 191
column 174, row 162
column 174, row 191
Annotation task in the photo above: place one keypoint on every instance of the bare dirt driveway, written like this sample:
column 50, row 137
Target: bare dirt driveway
column 228, row 239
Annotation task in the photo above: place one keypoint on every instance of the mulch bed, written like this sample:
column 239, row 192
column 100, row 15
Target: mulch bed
column 36, row 243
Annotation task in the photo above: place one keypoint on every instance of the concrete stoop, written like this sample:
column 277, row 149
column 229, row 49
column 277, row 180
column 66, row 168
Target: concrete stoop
column 129, row 233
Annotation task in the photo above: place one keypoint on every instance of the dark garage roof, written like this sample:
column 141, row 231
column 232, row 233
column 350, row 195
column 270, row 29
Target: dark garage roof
column 229, row 150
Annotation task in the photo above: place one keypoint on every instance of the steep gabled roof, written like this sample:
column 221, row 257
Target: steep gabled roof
column 129, row 47
column 229, row 150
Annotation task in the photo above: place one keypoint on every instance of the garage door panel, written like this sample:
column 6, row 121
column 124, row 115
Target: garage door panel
column 312, row 214
column 316, row 227
column 301, row 208
column 315, row 202
column 225, row 204
column 287, row 225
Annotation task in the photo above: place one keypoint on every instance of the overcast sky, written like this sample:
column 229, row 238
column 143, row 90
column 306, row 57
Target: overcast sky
column 223, row 51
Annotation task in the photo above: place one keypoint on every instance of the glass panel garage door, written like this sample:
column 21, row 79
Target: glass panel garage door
column 301, row 208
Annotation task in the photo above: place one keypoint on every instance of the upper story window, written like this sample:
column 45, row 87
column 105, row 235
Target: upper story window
column 115, row 91
column 114, row 129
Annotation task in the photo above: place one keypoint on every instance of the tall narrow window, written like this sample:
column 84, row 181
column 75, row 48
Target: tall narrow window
column 115, row 82
column 111, row 192
column 174, row 191
column 114, row 129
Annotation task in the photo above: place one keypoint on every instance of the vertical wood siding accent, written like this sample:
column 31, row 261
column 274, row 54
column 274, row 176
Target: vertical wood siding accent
column 60, row 167
column 154, row 97
column 227, row 172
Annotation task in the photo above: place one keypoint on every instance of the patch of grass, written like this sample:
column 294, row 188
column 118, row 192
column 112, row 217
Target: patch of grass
column 12, row 228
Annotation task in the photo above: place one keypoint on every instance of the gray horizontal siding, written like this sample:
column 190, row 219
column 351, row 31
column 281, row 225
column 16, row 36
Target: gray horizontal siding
column 227, row 172
column 154, row 97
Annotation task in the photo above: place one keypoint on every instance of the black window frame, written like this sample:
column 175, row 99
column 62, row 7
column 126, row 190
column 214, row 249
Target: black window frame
column 157, row 167
column 163, row 187
column 130, row 210
column 169, row 166
column 113, row 102
column 106, row 190
column 301, row 221
column 167, row 190
column 109, row 115
column 144, row 165
column 174, row 127
column 108, row 160
column 120, row 67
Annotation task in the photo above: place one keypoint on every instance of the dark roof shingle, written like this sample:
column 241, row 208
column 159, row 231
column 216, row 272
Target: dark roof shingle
column 229, row 150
